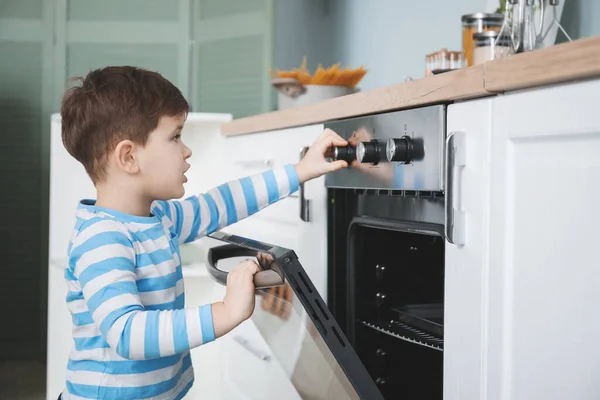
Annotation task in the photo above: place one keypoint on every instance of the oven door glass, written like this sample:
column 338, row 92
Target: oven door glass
column 294, row 321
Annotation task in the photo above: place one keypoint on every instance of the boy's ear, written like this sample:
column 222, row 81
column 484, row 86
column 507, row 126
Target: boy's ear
column 126, row 157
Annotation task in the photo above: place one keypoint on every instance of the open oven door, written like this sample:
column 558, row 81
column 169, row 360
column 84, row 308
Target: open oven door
column 305, row 338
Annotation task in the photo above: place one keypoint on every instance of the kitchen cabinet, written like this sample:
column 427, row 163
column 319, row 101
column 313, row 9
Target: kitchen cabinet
column 206, row 359
column 544, row 284
column 64, row 195
column 521, row 289
column 216, row 52
column 234, row 157
column 59, row 330
column 470, row 125
column 250, row 369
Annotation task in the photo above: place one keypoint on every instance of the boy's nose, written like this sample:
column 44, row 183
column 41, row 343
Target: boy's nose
column 187, row 152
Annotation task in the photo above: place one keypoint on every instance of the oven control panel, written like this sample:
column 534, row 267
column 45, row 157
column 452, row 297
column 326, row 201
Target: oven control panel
column 401, row 150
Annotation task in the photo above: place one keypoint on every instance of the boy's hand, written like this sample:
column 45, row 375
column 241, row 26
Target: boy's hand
column 314, row 163
column 238, row 304
column 239, row 299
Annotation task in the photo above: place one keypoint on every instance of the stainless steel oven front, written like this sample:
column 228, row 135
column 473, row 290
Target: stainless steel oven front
column 386, row 221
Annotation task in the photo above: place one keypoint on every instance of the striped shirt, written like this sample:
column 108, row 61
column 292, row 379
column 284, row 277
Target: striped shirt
column 131, row 332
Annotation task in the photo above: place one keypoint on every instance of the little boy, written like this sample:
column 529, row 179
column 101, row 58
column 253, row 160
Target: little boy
column 132, row 334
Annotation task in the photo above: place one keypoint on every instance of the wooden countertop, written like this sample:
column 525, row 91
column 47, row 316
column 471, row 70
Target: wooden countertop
column 561, row 63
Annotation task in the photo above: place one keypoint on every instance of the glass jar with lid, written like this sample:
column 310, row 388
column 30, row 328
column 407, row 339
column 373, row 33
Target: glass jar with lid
column 443, row 61
column 487, row 46
column 476, row 23
column 457, row 59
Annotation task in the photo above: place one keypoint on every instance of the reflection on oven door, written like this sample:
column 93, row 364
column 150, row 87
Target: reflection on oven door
column 298, row 346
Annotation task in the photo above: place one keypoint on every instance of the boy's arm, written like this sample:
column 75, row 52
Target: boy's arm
column 200, row 215
column 103, row 259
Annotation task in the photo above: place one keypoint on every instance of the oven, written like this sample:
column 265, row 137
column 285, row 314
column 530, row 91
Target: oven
column 386, row 244
column 379, row 334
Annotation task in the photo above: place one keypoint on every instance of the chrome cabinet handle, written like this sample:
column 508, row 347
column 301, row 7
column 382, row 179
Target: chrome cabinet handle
column 455, row 161
column 304, row 203
column 244, row 343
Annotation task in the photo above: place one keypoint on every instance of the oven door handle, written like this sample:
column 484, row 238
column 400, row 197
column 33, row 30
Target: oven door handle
column 270, row 276
column 455, row 163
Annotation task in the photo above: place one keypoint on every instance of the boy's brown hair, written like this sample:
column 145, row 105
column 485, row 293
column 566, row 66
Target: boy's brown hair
column 113, row 104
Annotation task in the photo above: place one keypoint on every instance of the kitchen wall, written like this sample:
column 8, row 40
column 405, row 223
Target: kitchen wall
column 302, row 28
column 581, row 18
column 392, row 37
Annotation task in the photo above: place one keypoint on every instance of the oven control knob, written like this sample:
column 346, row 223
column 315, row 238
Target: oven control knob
column 346, row 153
column 401, row 150
column 370, row 152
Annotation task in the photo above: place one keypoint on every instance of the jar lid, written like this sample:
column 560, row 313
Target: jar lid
column 483, row 38
column 485, row 35
column 483, row 16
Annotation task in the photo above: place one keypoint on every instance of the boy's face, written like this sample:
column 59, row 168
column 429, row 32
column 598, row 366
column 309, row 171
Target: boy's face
column 163, row 162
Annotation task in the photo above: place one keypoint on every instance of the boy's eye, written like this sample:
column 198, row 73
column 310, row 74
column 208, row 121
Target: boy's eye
column 177, row 137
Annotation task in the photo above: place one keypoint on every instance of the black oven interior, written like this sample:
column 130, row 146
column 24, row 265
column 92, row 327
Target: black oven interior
column 386, row 286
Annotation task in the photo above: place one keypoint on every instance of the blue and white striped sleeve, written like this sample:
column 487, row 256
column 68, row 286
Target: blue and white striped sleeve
column 200, row 215
column 103, row 259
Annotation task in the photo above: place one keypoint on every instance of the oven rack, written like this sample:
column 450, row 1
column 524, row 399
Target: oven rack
column 407, row 333
column 425, row 194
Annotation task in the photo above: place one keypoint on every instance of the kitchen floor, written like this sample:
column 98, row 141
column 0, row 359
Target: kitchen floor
column 22, row 380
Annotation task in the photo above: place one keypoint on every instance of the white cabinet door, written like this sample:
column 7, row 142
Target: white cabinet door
column 246, row 374
column 469, row 126
column 60, row 325
column 544, row 278
column 251, row 370
column 69, row 183
column 280, row 223
column 206, row 359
